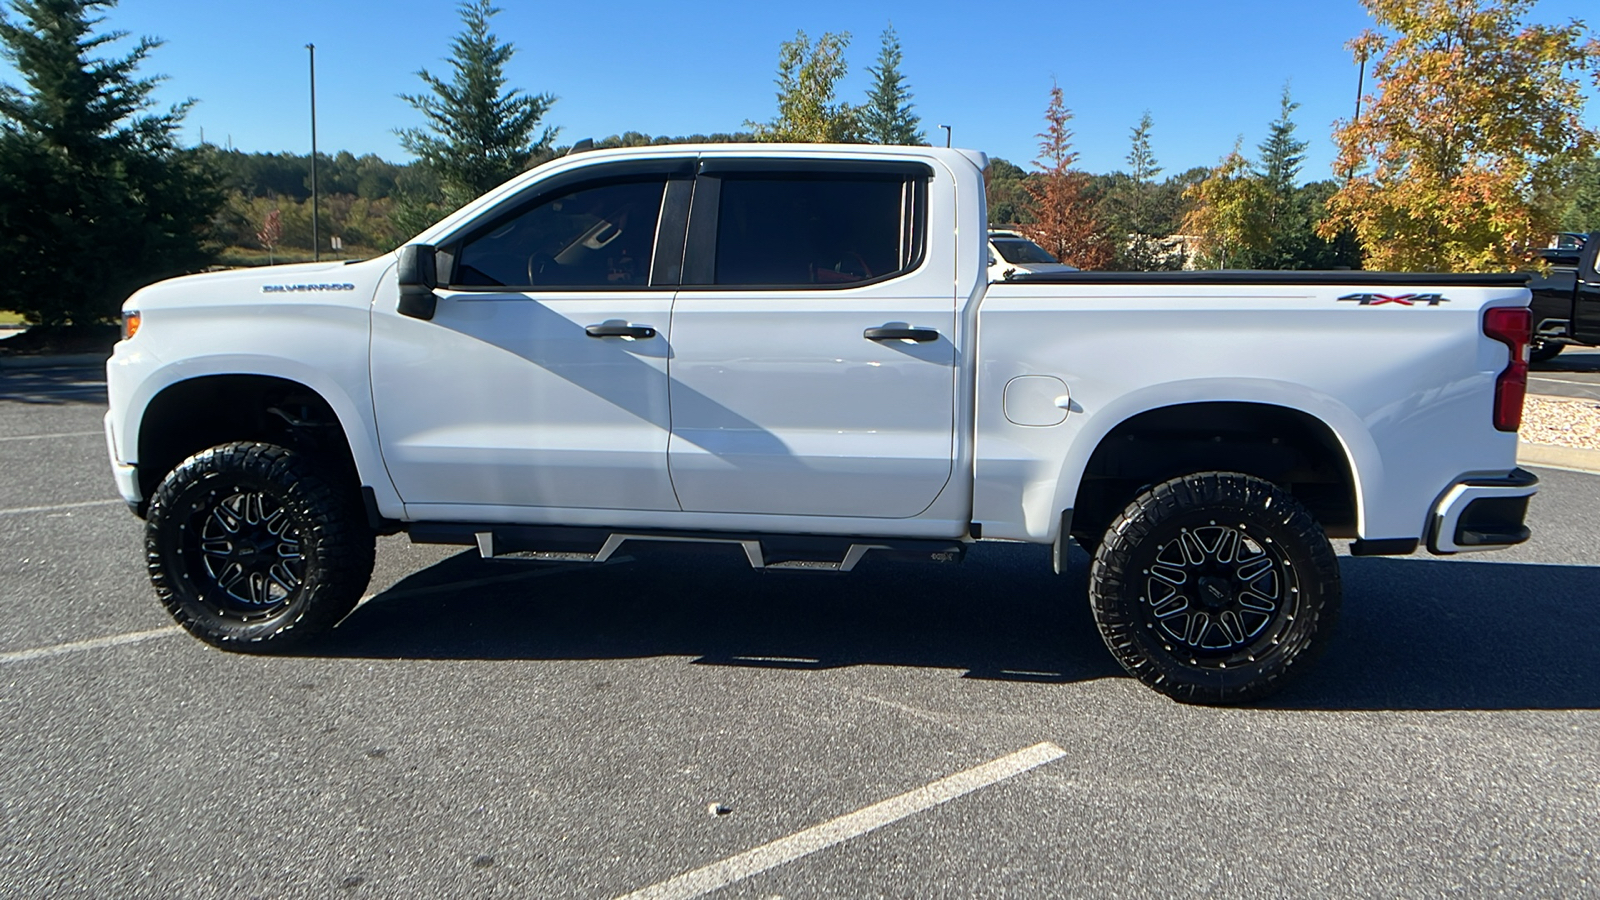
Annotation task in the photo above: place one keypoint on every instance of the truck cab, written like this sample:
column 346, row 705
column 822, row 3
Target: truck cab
column 1566, row 301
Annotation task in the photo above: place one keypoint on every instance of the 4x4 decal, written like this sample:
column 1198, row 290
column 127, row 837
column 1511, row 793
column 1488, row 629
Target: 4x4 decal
column 1402, row 299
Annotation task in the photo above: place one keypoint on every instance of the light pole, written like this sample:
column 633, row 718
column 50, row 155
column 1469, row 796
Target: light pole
column 316, row 241
column 948, row 133
column 1361, row 84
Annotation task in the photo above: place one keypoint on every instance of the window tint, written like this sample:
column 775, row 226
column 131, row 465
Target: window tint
column 592, row 236
column 826, row 230
column 1021, row 250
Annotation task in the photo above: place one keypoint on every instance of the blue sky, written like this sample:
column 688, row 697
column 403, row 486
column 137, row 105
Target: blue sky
column 1208, row 71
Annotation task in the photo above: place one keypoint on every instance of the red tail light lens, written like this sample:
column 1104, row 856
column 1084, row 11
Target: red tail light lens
column 1512, row 326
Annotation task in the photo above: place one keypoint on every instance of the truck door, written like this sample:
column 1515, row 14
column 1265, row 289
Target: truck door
column 813, row 368
column 1586, row 305
column 541, row 380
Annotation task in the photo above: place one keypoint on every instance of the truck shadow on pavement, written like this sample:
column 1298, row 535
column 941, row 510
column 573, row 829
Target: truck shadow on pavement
column 1416, row 634
column 1002, row 614
column 1428, row 634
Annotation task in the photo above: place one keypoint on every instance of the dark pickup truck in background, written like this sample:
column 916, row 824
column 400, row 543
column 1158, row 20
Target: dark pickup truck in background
column 1566, row 303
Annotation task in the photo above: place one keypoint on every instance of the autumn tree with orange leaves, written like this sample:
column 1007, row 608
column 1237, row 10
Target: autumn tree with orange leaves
column 1064, row 220
column 1455, row 161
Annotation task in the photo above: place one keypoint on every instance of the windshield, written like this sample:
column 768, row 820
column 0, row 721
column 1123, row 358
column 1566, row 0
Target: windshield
column 1021, row 251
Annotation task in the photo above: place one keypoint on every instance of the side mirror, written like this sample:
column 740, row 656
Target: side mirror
column 418, row 275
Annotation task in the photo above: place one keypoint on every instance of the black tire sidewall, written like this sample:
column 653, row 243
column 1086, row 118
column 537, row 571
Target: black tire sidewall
column 1268, row 512
column 315, row 513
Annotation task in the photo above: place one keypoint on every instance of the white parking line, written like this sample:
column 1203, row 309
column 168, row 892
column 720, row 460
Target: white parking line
column 40, row 437
column 704, row 880
column 134, row 637
column 1589, row 384
column 115, row 640
column 17, row 511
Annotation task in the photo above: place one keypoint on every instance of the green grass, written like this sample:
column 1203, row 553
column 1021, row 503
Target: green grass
column 10, row 318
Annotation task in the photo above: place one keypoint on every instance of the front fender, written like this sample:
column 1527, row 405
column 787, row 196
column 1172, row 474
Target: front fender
column 343, row 385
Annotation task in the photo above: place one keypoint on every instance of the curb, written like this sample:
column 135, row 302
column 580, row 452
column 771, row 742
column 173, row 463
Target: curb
column 54, row 361
column 1559, row 457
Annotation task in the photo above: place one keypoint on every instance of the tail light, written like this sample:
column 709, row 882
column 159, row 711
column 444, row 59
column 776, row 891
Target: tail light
column 130, row 323
column 1512, row 326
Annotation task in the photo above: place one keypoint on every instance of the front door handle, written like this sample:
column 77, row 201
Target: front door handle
column 620, row 329
column 896, row 333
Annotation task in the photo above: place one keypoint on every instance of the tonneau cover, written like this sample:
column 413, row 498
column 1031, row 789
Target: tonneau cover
column 1242, row 277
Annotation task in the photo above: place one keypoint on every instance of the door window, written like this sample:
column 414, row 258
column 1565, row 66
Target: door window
column 815, row 230
column 589, row 236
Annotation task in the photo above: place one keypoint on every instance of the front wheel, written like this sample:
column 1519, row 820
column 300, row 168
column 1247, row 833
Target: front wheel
column 250, row 547
column 1215, row 588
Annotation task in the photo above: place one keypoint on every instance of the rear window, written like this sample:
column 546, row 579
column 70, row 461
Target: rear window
column 814, row 230
column 1021, row 251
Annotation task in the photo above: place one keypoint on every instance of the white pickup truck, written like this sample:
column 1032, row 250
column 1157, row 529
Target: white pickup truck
column 797, row 350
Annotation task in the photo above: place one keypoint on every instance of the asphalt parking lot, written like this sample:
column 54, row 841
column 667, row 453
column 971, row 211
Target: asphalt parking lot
column 490, row 729
column 1573, row 373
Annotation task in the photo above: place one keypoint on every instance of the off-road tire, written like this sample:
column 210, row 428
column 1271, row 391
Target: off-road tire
column 1215, row 588
column 252, row 547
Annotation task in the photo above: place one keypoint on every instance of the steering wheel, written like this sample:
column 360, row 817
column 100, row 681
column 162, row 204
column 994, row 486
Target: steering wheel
column 539, row 265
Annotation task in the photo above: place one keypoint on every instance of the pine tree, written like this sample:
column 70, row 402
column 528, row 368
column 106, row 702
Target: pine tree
column 887, row 117
column 478, row 133
column 807, row 80
column 1285, row 217
column 96, row 197
column 1142, row 251
column 1064, row 220
column 1281, row 153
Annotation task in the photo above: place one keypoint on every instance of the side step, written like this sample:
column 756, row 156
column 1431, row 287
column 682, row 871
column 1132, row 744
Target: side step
column 806, row 553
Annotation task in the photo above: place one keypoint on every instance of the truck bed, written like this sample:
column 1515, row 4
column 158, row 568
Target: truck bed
column 1256, row 277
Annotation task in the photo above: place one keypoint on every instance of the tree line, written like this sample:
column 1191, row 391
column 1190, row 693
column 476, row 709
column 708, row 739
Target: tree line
column 1469, row 150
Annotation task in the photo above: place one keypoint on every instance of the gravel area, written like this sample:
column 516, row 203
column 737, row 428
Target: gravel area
column 1561, row 422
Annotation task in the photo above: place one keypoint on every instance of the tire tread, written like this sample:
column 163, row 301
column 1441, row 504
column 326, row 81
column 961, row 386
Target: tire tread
column 1317, row 571
column 341, row 548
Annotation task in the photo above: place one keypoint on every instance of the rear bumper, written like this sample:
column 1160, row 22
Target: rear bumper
column 1482, row 513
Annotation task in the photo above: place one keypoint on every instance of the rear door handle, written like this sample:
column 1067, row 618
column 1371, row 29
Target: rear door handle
column 618, row 329
column 920, row 335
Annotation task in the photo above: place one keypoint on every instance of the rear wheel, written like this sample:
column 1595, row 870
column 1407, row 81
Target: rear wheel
column 1215, row 588
column 250, row 547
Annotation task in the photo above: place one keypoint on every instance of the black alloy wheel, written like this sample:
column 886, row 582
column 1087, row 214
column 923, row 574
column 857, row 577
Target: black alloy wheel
column 1215, row 588
column 250, row 547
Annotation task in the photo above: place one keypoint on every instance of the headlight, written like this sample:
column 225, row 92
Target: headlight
column 130, row 323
